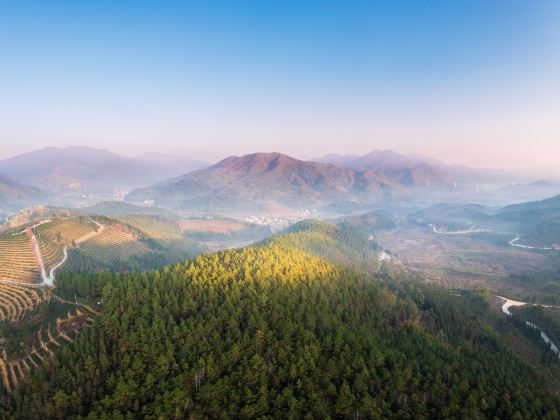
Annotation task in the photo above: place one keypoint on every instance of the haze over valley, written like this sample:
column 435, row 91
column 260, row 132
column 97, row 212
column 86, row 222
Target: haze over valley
column 280, row 210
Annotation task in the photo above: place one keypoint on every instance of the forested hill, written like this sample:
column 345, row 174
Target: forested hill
column 276, row 332
column 341, row 244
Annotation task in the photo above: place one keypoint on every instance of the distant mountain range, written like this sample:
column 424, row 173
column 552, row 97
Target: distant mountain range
column 532, row 213
column 83, row 168
column 80, row 176
column 271, row 181
column 532, row 191
column 14, row 195
column 518, row 218
column 536, row 223
column 414, row 170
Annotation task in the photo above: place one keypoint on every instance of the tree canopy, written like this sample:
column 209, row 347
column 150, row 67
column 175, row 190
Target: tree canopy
column 275, row 331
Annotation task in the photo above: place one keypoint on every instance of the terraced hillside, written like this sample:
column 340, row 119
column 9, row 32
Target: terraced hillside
column 56, row 234
column 51, row 251
column 46, row 247
column 223, row 226
column 17, row 300
column 29, row 342
column 34, row 322
column 42, row 243
column 113, row 245
column 84, row 244
column 78, row 262
column 67, row 230
column 17, row 260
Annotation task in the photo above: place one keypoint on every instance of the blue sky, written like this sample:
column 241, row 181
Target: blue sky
column 472, row 82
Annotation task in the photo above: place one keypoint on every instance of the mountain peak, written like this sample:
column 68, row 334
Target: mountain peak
column 258, row 162
column 269, row 180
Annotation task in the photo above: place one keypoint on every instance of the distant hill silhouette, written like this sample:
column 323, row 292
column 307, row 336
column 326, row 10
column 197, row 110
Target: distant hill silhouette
column 14, row 195
column 415, row 170
column 73, row 168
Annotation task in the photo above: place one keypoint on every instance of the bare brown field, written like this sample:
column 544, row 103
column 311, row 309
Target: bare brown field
column 210, row 225
column 460, row 260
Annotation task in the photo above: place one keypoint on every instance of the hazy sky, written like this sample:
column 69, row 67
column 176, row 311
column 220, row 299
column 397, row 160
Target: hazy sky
column 474, row 82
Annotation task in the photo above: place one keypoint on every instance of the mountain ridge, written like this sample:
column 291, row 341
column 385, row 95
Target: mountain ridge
column 266, row 179
column 75, row 168
column 14, row 195
column 415, row 170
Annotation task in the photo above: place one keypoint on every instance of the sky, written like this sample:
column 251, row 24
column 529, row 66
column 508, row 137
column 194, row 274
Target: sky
column 474, row 82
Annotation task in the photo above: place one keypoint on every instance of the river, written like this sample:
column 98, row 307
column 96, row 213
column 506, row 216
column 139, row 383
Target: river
column 510, row 303
column 471, row 230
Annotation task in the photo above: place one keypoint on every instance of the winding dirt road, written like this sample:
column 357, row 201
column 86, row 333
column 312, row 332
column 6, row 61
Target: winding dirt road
column 48, row 280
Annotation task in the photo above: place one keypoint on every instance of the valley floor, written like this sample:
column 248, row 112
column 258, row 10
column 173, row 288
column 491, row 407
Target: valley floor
column 476, row 259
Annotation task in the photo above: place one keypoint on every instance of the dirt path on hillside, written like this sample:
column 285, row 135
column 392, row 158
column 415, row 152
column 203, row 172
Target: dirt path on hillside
column 48, row 280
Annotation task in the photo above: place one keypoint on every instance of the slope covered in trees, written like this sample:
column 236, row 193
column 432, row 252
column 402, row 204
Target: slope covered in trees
column 342, row 244
column 277, row 332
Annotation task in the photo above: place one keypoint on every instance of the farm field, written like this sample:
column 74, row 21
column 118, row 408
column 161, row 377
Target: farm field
column 17, row 300
column 111, row 245
column 218, row 234
column 54, row 235
column 78, row 262
column 133, row 241
column 211, row 225
column 17, row 260
column 66, row 230
column 51, row 251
